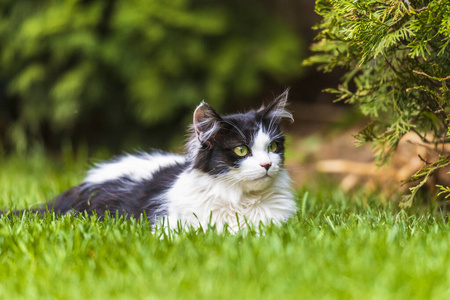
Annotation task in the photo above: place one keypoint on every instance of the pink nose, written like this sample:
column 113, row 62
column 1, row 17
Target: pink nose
column 266, row 166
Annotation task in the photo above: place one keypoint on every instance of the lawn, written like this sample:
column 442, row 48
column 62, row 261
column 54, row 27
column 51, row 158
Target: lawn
column 338, row 246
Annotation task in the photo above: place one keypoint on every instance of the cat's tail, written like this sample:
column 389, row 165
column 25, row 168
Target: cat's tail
column 59, row 205
column 41, row 211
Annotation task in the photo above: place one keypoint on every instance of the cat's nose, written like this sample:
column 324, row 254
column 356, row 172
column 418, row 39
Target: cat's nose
column 266, row 166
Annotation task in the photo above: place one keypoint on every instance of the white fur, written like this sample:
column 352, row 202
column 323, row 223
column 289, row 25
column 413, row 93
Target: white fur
column 196, row 200
column 136, row 167
column 246, row 193
column 193, row 144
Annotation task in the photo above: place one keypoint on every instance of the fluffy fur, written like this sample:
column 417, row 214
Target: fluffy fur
column 210, row 184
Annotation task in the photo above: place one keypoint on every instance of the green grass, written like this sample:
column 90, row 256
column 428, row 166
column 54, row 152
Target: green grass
column 337, row 247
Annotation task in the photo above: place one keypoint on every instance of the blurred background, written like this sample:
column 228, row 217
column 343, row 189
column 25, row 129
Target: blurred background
column 126, row 75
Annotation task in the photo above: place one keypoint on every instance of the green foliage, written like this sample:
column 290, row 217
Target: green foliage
column 324, row 252
column 89, row 65
column 423, row 175
column 397, row 56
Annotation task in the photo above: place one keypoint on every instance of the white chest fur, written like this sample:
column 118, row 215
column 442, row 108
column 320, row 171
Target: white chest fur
column 197, row 199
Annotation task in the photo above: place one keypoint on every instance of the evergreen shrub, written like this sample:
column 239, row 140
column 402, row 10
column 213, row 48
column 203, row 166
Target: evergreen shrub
column 397, row 61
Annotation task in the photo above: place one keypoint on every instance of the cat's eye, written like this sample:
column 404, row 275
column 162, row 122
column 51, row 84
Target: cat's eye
column 241, row 150
column 272, row 147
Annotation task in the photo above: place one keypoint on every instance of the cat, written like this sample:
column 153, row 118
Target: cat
column 232, row 173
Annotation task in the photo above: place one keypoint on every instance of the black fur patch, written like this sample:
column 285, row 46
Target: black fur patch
column 124, row 195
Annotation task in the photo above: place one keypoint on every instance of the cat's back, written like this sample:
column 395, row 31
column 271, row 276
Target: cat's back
column 131, row 184
column 135, row 167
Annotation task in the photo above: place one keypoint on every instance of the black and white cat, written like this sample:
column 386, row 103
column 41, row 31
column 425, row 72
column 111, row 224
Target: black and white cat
column 232, row 172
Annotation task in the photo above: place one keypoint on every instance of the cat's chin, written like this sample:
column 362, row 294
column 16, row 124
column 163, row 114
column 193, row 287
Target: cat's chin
column 263, row 178
column 258, row 184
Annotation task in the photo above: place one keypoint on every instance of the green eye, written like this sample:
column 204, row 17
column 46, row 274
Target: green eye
column 241, row 150
column 272, row 147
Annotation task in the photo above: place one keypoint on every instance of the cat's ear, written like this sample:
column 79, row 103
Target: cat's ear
column 277, row 109
column 206, row 122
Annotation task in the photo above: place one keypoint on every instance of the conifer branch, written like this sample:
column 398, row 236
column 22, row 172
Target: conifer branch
column 431, row 77
column 407, row 90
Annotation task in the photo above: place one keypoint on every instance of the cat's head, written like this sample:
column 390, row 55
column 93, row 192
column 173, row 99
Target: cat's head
column 245, row 149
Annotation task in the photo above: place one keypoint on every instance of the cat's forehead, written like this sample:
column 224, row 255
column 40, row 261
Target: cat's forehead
column 248, row 124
